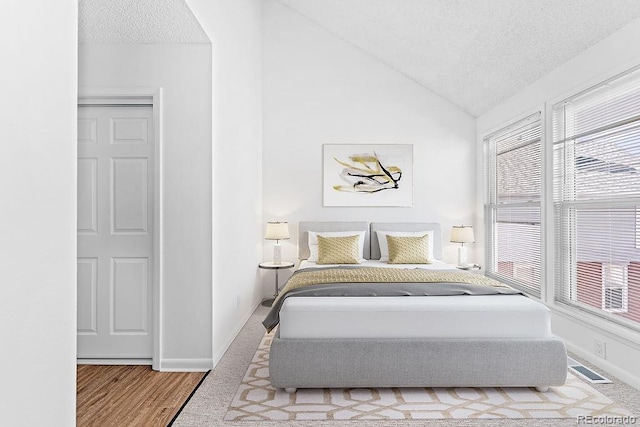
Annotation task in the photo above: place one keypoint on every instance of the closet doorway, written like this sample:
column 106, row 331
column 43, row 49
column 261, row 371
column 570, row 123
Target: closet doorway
column 116, row 228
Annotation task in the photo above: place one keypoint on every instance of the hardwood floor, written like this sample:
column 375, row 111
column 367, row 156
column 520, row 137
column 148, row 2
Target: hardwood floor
column 131, row 395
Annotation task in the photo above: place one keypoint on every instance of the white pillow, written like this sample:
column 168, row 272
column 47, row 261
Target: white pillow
column 313, row 241
column 384, row 248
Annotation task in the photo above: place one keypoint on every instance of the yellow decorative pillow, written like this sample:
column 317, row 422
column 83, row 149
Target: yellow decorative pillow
column 408, row 250
column 338, row 250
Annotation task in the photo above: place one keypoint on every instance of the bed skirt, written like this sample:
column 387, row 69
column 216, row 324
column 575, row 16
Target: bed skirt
column 356, row 363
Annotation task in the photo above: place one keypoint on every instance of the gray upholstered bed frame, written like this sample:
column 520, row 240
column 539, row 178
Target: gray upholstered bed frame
column 351, row 363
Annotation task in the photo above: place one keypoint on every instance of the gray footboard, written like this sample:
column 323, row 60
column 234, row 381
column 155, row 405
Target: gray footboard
column 350, row 363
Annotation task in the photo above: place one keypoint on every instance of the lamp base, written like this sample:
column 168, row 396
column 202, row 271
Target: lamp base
column 462, row 255
column 277, row 254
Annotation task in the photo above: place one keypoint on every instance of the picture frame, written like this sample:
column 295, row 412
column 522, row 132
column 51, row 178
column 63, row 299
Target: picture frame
column 368, row 175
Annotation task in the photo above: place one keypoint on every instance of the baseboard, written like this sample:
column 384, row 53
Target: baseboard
column 185, row 365
column 218, row 355
column 113, row 361
column 203, row 365
column 166, row 365
column 614, row 370
column 580, row 332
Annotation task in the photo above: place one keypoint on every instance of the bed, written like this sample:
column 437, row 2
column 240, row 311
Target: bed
column 338, row 335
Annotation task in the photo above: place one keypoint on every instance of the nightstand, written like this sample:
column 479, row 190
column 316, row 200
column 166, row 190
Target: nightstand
column 472, row 268
column 271, row 266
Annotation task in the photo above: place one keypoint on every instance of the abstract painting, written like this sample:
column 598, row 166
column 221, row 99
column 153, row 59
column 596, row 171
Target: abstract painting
column 368, row 175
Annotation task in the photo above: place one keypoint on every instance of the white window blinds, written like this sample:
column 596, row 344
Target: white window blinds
column 513, row 166
column 596, row 167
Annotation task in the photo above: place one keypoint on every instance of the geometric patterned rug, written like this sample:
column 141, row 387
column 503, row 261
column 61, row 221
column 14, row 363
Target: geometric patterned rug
column 256, row 400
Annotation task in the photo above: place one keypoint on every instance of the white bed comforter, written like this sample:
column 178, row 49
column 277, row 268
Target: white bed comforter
column 479, row 316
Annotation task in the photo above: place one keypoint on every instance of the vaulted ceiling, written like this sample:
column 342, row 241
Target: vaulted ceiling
column 138, row 21
column 475, row 53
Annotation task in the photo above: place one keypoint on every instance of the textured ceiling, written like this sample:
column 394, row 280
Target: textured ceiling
column 473, row 53
column 138, row 21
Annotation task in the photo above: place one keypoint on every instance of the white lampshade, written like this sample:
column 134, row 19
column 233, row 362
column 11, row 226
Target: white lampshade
column 277, row 231
column 462, row 234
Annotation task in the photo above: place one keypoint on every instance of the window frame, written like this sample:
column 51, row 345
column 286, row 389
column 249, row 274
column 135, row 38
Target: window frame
column 492, row 206
column 597, row 316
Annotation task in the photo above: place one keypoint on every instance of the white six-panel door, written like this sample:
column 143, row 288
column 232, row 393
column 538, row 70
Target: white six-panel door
column 115, row 232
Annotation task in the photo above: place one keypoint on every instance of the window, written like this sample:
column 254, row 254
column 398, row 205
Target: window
column 513, row 165
column 615, row 286
column 637, row 227
column 596, row 192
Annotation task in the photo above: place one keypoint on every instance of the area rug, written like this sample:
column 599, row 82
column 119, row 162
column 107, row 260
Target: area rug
column 256, row 400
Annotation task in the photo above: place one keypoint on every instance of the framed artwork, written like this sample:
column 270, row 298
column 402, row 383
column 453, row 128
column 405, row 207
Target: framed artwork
column 368, row 175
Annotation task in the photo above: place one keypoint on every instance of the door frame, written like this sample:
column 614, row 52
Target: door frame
column 114, row 96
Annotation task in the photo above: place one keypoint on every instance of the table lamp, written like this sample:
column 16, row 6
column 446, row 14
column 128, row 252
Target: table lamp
column 277, row 231
column 462, row 234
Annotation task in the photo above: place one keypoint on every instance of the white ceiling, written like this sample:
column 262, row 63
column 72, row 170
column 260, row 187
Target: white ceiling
column 475, row 53
column 138, row 21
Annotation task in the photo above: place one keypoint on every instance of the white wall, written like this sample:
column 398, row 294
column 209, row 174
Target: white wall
column 318, row 89
column 609, row 57
column 38, row 83
column 234, row 28
column 184, row 73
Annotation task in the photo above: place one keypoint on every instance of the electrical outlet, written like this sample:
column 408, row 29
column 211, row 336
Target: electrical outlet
column 600, row 348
